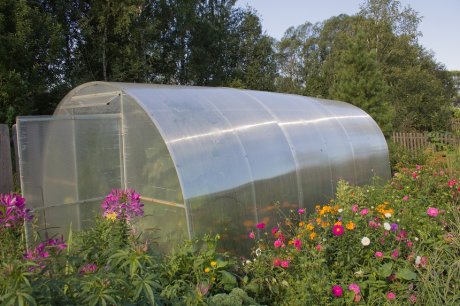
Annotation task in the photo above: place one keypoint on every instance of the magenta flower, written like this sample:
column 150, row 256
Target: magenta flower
column 301, row 211
column 378, row 254
column 355, row 208
column 432, row 211
column 395, row 254
column 297, row 244
column 354, row 288
column 364, row 212
column 278, row 243
column 260, row 225
column 337, row 291
column 285, row 264
column 338, row 230
column 88, row 268
column 391, row 296
column 275, row 230
column 125, row 204
column 13, row 210
column 252, row 235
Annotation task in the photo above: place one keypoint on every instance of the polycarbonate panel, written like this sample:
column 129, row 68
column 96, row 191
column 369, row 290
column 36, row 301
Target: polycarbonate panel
column 149, row 167
column 164, row 224
column 47, row 161
column 209, row 159
column 66, row 166
column 98, row 156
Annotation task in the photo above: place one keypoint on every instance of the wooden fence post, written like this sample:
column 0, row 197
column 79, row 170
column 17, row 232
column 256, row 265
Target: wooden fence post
column 6, row 169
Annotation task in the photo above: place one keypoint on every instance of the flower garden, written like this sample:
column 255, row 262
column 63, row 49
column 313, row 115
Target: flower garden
column 389, row 243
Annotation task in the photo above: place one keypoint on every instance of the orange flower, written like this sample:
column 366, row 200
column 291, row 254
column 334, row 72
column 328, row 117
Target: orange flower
column 301, row 224
column 338, row 223
column 312, row 236
column 325, row 224
column 310, row 227
column 350, row 226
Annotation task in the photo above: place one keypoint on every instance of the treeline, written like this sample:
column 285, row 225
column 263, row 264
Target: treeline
column 371, row 59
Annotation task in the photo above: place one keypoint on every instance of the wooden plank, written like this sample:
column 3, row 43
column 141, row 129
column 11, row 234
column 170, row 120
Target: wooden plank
column 17, row 171
column 6, row 169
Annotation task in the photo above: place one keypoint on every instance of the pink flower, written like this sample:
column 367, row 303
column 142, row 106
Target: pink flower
column 413, row 299
column 276, row 262
column 409, row 244
column 297, row 244
column 364, row 212
column 374, row 224
column 395, row 254
column 355, row 208
column 391, row 296
column 418, row 167
column 278, row 243
column 88, row 268
column 285, row 264
column 338, row 230
column 452, row 183
column 260, row 225
column 301, row 211
column 405, row 198
column 275, row 230
column 432, row 211
column 354, row 288
column 126, row 204
column 378, row 254
column 337, row 291
column 318, row 247
column 414, row 175
column 252, row 235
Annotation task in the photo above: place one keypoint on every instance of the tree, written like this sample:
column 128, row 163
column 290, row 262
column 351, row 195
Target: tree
column 30, row 59
column 359, row 81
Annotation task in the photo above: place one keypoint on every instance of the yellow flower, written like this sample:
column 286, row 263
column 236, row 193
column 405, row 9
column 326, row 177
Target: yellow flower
column 312, row 235
column 350, row 226
column 206, row 270
column 213, row 264
column 310, row 227
column 111, row 216
column 301, row 224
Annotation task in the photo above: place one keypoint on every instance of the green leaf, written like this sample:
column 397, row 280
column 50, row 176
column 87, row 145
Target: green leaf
column 228, row 280
column 386, row 269
column 406, row 274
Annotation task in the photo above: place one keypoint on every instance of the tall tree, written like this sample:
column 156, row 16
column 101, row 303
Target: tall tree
column 30, row 59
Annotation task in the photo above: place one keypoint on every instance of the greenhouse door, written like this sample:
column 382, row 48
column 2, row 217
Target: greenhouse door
column 68, row 164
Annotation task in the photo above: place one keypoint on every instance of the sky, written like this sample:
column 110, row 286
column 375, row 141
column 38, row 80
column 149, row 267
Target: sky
column 440, row 25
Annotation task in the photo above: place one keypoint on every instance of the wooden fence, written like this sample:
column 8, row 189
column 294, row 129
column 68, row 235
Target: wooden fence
column 6, row 168
column 417, row 141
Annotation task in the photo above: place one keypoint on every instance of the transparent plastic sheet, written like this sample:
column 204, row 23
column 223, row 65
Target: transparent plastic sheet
column 67, row 168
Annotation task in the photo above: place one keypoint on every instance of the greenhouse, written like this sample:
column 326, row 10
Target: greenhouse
column 203, row 159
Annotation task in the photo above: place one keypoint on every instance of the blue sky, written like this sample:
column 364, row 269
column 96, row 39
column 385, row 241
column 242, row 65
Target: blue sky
column 440, row 24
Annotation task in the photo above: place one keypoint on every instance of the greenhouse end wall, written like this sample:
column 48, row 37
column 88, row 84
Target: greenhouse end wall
column 204, row 159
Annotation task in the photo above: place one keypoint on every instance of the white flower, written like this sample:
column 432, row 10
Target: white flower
column 258, row 252
column 248, row 262
column 387, row 226
column 416, row 238
column 388, row 215
column 365, row 241
column 417, row 260
column 340, row 210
